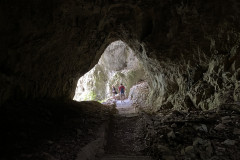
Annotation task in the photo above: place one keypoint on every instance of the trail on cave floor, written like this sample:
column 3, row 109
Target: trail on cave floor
column 125, row 135
column 126, row 108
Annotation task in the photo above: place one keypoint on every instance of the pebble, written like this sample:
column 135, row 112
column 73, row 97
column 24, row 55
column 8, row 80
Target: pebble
column 226, row 119
column 236, row 131
column 221, row 149
column 171, row 135
column 229, row 142
column 202, row 127
column 174, row 125
column 197, row 141
column 189, row 150
column 220, row 126
column 164, row 149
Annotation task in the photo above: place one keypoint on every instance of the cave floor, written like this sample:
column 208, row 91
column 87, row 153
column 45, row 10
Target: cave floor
column 125, row 137
column 125, row 108
column 48, row 129
column 203, row 135
column 57, row 130
column 174, row 135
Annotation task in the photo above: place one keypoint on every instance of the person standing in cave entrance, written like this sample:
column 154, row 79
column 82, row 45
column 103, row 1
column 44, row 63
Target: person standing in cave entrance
column 122, row 92
column 114, row 92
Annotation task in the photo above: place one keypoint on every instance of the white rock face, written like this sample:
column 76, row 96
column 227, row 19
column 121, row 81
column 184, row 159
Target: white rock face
column 117, row 65
column 139, row 94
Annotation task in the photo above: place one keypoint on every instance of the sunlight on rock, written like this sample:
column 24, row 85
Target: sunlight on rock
column 118, row 64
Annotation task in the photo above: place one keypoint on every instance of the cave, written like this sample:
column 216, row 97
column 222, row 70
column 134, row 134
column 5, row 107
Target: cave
column 189, row 51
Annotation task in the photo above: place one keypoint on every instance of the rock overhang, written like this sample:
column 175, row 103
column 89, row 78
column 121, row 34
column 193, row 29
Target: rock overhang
column 49, row 45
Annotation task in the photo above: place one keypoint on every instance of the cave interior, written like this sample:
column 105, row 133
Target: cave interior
column 190, row 53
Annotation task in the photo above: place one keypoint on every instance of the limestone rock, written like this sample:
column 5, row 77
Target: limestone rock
column 226, row 119
column 164, row 150
column 171, row 135
column 229, row 142
column 198, row 141
column 201, row 127
column 189, row 150
column 139, row 94
column 220, row 126
column 117, row 65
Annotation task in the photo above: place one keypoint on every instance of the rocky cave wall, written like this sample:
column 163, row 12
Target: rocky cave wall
column 189, row 48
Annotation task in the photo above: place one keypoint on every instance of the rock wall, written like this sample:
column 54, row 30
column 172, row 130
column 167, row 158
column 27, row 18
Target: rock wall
column 189, row 49
column 117, row 65
column 195, row 65
column 92, row 86
column 139, row 95
column 207, row 85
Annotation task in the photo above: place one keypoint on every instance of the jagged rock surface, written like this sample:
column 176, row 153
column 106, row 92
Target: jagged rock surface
column 193, row 135
column 139, row 95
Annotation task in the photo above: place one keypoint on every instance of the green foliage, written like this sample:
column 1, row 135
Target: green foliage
column 102, row 101
column 90, row 96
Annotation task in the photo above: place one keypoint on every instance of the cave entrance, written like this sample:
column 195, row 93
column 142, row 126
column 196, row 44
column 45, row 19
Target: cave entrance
column 117, row 65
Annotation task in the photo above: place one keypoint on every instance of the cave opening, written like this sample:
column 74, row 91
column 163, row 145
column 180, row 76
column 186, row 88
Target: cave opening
column 117, row 65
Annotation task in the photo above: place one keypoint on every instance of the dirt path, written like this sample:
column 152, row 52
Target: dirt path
column 124, row 139
column 125, row 108
column 124, row 104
